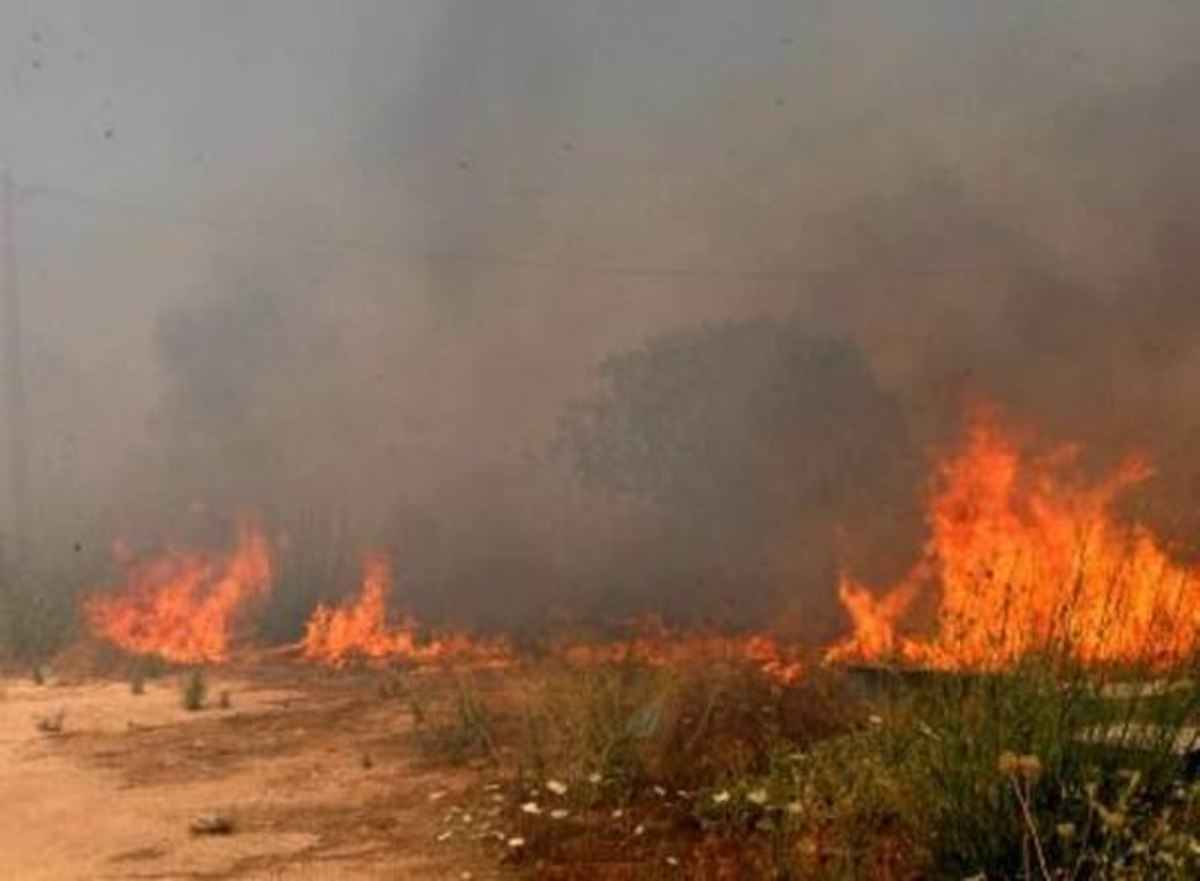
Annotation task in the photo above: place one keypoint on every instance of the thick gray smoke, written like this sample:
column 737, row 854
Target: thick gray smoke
column 355, row 269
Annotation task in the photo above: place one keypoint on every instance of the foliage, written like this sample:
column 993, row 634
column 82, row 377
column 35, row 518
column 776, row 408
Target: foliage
column 1038, row 773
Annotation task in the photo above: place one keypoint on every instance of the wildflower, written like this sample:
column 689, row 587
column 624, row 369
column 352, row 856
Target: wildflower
column 556, row 787
column 640, row 830
column 531, row 807
column 559, row 814
column 516, row 842
column 721, row 797
column 672, row 861
column 618, row 814
column 660, row 792
column 757, row 796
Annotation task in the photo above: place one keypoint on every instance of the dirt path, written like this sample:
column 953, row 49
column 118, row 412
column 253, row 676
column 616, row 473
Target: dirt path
column 320, row 782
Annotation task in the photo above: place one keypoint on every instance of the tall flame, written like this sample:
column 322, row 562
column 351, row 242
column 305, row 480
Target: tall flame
column 359, row 630
column 1024, row 558
column 183, row 605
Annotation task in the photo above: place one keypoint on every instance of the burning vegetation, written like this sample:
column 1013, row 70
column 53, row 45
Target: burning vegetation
column 359, row 630
column 988, row 710
column 183, row 605
column 1024, row 557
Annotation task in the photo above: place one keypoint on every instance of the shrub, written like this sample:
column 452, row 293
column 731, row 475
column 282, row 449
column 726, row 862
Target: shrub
column 193, row 690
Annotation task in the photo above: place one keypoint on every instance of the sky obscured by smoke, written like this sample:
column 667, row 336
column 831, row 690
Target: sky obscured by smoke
column 360, row 257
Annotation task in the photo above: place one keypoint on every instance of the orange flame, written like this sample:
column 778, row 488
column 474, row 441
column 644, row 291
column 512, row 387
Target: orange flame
column 337, row 635
column 183, row 605
column 1026, row 559
column 655, row 645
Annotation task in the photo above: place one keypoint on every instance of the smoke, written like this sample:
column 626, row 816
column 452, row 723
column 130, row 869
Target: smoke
column 389, row 260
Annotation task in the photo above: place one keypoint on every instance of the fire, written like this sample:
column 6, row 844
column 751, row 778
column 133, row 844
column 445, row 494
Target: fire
column 1024, row 557
column 183, row 605
column 655, row 645
column 359, row 630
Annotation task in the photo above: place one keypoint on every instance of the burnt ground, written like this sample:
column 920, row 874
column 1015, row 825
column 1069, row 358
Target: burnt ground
column 321, row 776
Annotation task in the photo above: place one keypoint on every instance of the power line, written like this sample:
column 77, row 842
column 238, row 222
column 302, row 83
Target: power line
column 394, row 254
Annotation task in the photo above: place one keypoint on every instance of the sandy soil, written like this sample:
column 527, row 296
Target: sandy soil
column 316, row 773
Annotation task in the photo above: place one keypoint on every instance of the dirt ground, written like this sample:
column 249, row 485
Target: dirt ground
column 315, row 771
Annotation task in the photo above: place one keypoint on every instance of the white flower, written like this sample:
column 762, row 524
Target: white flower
column 618, row 814
column 515, row 842
column 640, row 830
column 659, row 791
column 672, row 861
column 758, row 797
column 557, row 787
column 721, row 797
column 559, row 814
column 530, row 807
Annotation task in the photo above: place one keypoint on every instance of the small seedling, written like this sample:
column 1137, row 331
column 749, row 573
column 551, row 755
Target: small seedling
column 51, row 724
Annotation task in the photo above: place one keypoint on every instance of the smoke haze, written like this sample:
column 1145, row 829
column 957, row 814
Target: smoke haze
column 351, row 265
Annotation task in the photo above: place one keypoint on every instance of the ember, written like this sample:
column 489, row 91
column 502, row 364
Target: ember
column 655, row 645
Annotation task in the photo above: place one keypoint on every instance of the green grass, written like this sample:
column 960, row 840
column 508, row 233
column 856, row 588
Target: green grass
column 1033, row 773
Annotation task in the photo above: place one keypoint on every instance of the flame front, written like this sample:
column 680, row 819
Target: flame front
column 359, row 630
column 183, row 605
column 655, row 645
column 1025, row 559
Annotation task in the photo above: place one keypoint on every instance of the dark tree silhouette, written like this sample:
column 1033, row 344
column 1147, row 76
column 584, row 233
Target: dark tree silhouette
column 766, row 454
